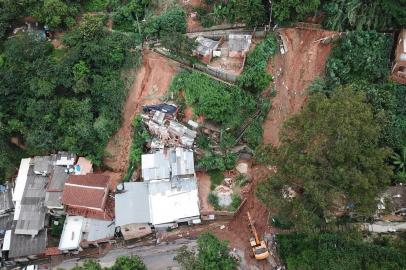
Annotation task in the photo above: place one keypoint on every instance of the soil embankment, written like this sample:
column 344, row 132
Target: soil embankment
column 151, row 83
column 293, row 72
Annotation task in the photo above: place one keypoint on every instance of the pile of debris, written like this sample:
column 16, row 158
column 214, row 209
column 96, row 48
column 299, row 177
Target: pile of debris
column 161, row 122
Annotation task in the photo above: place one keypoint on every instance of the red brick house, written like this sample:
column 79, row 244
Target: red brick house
column 88, row 196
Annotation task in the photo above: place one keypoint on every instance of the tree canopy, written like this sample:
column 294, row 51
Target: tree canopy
column 359, row 55
column 121, row 263
column 212, row 254
column 341, row 15
column 329, row 155
column 293, row 10
column 340, row 252
column 70, row 102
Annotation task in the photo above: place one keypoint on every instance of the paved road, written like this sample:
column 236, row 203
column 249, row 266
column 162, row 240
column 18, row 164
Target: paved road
column 158, row 257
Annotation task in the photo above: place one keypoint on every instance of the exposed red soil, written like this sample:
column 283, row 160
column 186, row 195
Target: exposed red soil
column 203, row 181
column 193, row 24
column 293, row 72
column 151, row 83
column 237, row 231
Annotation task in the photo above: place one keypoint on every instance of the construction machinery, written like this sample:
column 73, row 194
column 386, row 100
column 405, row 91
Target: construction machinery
column 259, row 247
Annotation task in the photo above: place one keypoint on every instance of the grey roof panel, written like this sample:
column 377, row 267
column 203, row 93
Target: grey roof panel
column 6, row 202
column 58, row 178
column 42, row 164
column 53, row 199
column 132, row 206
column 25, row 245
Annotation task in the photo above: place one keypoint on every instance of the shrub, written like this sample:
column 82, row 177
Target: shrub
column 216, row 178
column 213, row 200
column 235, row 202
column 255, row 77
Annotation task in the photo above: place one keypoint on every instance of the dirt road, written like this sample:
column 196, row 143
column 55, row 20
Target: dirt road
column 293, row 72
column 151, row 83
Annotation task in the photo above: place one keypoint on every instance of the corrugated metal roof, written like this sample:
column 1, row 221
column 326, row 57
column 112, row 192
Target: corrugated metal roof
column 6, row 204
column 53, row 199
column 58, row 178
column 132, row 206
column 31, row 217
column 26, row 245
column 239, row 43
column 205, row 45
column 182, row 162
column 155, row 166
column 171, row 201
column 42, row 164
column 96, row 229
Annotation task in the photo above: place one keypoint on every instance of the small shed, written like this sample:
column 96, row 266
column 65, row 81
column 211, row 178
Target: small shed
column 205, row 48
column 239, row 45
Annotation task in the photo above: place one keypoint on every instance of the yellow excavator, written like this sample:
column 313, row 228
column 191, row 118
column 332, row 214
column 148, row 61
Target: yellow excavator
column 259, row 247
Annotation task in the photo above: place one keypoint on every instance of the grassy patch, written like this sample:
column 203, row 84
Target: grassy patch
column 58, row 54
column 214, row 200
column 235, row 202
column 216, row 178
column 95, row 5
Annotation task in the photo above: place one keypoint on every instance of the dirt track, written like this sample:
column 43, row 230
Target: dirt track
column 293, row 72
column 151, row 84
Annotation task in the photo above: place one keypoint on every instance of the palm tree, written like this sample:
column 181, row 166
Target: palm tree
column 399, row 160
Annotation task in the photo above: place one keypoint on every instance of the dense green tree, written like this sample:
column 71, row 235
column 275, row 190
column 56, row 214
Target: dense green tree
column 178, row 43
column 128, row 263
column 121, row 263
column 216, row 101
column 293, row 10
column 172, row 20
column 329, row 155
column 344, row 15
column 71, row 103
column 54, row 13
column 399, row 160
column 255, row 77
column 212, row 254
column 339, row 252
column 359, row 56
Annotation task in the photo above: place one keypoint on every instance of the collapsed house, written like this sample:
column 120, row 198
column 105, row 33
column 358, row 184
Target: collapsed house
column 169, row 132
column 399, row 66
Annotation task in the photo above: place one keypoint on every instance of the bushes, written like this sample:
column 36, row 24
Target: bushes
column 235, row 202
column 210, row 161
column 213, row 200
column 216, row 178
column 72, row 102
column 172, row 20
column 140, row 137
column 344, row 15
column 216, row 101
column 359, row 56
column 293, row 10
column 255, row 77
column 337, row 251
